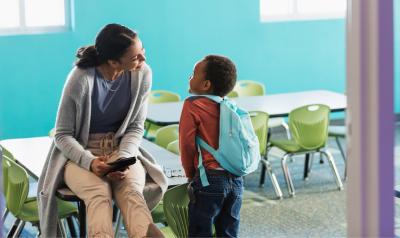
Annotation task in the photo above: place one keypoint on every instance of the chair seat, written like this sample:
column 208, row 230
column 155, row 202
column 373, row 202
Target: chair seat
column 287, row 145
column 158, row 213
column 337, row 131
column 29, row 211
column 275, row 122
column 167, row 232
column 151, row 133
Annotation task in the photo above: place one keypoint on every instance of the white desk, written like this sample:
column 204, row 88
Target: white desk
column 276, row 105
column 31, row 153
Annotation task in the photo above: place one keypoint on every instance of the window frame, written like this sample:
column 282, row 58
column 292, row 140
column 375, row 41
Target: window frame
column 23, row 29
column 294, row 15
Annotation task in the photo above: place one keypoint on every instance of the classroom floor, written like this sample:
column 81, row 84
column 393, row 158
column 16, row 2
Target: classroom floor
column 317, row 210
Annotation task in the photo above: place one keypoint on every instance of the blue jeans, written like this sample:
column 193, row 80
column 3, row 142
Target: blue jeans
column 217, row 204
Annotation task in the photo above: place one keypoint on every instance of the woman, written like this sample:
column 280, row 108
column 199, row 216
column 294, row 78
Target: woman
column 100, row 119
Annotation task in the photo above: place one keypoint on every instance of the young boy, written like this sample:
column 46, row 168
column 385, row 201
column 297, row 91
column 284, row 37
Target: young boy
column 219, row 203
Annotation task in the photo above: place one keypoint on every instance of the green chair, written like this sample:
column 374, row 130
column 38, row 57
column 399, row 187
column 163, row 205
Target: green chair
column 339, row 132
column 158, row 96
column 161, row 96
column 309, row 128
column 9, row 155
column 52, row 132
column 174, row 147
column 158, row 213
column 245, row 88
column 260, row 124
column 176, row 201
column 233, row 94
column 16, row 186
column 249, row 88
column 166, row 135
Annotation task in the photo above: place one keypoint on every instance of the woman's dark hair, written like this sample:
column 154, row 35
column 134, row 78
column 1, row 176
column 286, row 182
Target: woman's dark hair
column 111, row 43
column 221, row 72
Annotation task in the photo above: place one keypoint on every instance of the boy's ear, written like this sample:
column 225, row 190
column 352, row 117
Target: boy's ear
column 207, row 85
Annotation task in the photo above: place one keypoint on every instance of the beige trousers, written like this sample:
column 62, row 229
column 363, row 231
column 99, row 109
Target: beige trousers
column 97, row 193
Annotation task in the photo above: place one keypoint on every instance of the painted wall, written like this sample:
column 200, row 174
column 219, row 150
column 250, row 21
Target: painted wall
column 286, row 57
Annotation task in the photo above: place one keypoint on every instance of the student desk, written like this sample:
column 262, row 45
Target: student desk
column 276, row 105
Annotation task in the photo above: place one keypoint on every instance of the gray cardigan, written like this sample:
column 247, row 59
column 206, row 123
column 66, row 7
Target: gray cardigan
column 72, row 133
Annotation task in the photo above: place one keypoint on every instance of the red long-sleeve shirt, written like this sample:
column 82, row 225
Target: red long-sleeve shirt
column 200, row 116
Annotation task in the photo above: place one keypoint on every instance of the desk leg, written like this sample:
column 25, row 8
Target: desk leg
column 306, row 166
column 82, row 218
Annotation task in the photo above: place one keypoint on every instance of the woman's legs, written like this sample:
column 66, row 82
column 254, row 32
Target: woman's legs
column 96, row 193
column 128, row 194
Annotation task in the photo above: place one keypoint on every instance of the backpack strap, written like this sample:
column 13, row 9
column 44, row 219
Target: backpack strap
column 202, row 171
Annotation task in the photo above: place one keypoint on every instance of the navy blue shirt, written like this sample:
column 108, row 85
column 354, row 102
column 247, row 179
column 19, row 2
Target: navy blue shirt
column 111, row 100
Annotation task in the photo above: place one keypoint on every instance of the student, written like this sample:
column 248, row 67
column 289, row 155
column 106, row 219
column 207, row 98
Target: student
column 218, row 203
column 100, row 119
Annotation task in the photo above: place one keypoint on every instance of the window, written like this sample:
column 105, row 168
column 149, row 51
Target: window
column 34, row 16
column 289, row 10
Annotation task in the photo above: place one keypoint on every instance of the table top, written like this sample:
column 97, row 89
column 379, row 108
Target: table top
column 32, row 152
column 276, row 105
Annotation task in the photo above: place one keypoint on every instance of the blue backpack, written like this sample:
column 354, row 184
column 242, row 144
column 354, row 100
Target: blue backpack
column 238, row 151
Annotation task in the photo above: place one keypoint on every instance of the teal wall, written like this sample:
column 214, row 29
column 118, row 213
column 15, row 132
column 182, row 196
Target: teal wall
column 290, row 56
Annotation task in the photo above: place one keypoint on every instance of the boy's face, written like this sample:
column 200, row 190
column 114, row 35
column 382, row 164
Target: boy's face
column 198, row 83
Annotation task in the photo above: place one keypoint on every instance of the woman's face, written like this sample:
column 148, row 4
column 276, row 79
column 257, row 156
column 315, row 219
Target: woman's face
column 134, row 57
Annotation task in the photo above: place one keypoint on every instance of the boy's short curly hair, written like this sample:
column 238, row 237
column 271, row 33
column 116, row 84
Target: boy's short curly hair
column 221, row 72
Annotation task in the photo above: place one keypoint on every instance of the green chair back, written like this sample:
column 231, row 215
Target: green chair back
column 161, row 96
column 176, row 202
column 166, row 135
column 5, row 165
column 7, row 153
column 17, row 185
column 260, row 125
column 309, row 126
column 249, row 88
column 52, row 132
column 174, row 147
column 233, row 94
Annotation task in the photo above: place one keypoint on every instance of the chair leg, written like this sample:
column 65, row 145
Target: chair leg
column 3, row 217
column 343, row 156
column 311, row 162
column 71, row 226
column 19, row 229
column 118, row 224
column 286, row 173
column 262, row 176
column 12, row 230
column 272, row 176
column 82, row 218
column 286, row 126
column 334, row 169
column 62, row 228
column 306, row 165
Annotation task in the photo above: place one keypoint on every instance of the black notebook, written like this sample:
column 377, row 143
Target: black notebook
column 121, row 164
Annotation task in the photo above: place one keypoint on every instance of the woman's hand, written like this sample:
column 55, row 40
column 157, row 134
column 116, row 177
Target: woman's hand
column 99, row 166
column 118, row 175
